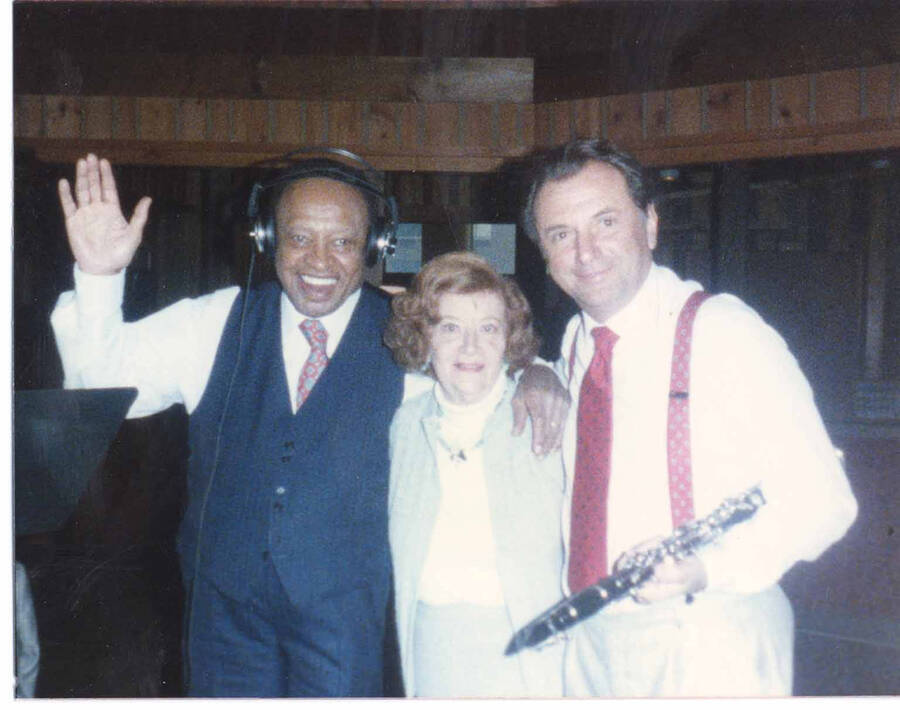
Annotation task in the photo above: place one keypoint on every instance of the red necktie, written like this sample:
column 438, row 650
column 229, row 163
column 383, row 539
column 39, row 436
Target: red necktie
column 587, row 559
column 316, row 335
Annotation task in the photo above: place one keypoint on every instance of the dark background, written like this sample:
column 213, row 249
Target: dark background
column 796, row 237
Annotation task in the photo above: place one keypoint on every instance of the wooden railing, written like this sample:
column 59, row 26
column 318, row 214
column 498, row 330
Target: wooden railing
column 829, row 112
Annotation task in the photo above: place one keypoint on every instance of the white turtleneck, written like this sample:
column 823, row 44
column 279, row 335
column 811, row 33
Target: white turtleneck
column 461, row 564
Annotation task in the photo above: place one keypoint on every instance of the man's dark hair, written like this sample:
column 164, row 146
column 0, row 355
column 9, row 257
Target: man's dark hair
column 331, row 170
column 567, row 160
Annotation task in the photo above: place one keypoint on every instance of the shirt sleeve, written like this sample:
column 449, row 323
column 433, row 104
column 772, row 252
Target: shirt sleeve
column 167, row 356
column 562, row 365
column 545, row 363
column 769, row 432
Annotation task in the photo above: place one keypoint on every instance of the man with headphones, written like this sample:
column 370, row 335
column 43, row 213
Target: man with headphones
column 283, row 545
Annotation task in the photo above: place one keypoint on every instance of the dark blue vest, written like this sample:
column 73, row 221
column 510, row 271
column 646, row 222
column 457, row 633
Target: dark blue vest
column 308, row 490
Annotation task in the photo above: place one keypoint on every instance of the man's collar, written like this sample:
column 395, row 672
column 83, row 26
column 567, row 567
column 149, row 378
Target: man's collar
column 634, row 313
column 335, row 323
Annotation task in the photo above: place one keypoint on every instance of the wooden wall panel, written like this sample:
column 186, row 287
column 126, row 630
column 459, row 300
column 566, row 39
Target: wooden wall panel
column 656, row 114
column 563, row 123
column 758, row 105
column 62, row 116
column 725, row 108
column 625, row 119
column 317, row 123
column 345, row 123
column 410, row 188
column 529, row 134
column 480, row 129
column 383, row 127
column 218, row 113
column 879, row 229
column 587, row 118
column 251, row 122
column 837, row 98
column 125, row 118
column 443, row 131
column 685, row 110
column 443, row 190
column 881, row 91
column 156, row 119
column 841, row 111
column 287, row 117
column 191, row 120
column 511, row 129
column 753, row 119
column 28, row 113
column 791, row 101
column 260, row 74
column 543, row 125
column 411, row 118
column 97, row 117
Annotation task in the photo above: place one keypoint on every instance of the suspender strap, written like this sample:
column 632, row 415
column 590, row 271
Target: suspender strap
column 572, row 359
column 681, row 492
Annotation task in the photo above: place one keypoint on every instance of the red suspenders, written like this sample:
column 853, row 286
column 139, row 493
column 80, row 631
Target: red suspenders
column 681, row 491
column 679, row 433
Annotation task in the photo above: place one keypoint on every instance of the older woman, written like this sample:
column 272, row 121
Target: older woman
column 474, row 515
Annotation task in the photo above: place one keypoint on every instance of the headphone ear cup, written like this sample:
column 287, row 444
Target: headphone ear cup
column 381, row 241
column 372, row 239
column 260, row 221
column 262, row 232
column 268, row 226
column 387, row 230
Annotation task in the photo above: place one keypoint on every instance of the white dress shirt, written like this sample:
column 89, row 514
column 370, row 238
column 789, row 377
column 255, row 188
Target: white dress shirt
column 294, row 344
column 169, row 354
column 753, row 421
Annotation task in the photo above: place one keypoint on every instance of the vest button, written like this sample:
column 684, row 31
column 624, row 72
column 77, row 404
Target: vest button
column 285, row 459
column 279, row 506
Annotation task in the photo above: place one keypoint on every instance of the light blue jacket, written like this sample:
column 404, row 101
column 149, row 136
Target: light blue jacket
column 525, row 498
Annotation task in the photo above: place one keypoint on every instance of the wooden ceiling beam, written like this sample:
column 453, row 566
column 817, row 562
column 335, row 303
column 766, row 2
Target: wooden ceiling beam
column 580, row 49
column 363, row 78
column 830, row 112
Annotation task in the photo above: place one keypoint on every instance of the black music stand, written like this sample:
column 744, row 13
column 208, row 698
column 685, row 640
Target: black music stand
column 61, row 438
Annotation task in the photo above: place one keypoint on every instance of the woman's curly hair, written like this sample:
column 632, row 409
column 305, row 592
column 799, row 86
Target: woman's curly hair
column 417, row 310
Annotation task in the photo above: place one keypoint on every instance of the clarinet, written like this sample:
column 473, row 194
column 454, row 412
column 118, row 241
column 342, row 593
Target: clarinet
column 634, row 569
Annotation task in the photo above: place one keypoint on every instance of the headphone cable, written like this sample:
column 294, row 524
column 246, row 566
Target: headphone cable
column 215, row 465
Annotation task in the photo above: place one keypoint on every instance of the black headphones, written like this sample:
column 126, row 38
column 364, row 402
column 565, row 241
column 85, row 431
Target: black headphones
column 382, row 238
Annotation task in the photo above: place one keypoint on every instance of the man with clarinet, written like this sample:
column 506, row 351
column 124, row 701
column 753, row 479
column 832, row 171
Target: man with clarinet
column 680, row 401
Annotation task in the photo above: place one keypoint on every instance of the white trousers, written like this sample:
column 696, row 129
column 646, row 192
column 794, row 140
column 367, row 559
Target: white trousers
column 458, row 653
column 718, row 646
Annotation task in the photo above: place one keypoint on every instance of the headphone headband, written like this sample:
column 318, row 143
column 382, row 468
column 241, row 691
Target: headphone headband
column 289, row 157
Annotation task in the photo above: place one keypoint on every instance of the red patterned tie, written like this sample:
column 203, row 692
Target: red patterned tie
column 587, row 560
column 316, row 335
